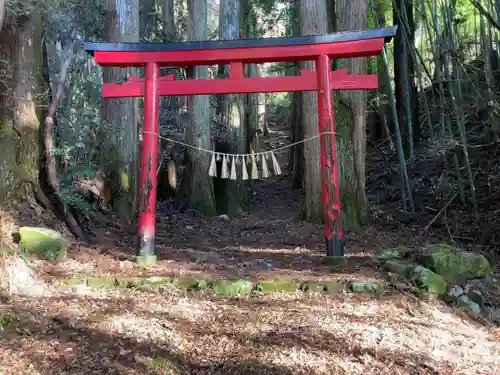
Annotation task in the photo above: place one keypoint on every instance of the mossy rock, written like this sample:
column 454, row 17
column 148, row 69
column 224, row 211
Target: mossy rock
column 399, row 252
column 235, row 288
column 190, row 284
column 453, row 293
column 45, row 243
column 477, row 297
column 455, row 264
column 312, row 286
column 128, row 281
column 280, row 286
column 429, row 281
column 469, row 306
column 374, row 287
column 158, row 280
column 397, row 267
column 102, row 282
column 334, row 287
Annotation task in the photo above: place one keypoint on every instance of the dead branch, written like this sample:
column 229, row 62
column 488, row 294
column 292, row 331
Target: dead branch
column 450, row 201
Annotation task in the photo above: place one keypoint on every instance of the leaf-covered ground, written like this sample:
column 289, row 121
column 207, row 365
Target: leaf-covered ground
column 169, row 331
column 79, row 330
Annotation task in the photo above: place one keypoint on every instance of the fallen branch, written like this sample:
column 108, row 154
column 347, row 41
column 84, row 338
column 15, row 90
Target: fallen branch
column 450, row 201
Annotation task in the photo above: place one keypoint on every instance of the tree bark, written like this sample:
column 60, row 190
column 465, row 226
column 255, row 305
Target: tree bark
column 201, row 184
column 312, row 21
column 122, row 25
column 19, row 125
column 168, row 16
column 351, row 122
column 231, row 112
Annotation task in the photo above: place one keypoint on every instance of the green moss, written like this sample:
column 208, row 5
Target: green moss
column 399, row 252
column 158, row 280
column 190, row 284
column 44, row 243
column 397, row 267
column 6, row 320
column 236, row 288
column 102, row 282
column 128, row 281
column 374, row 287
column 124, row 181
column 429, row 281
column 18, row 163
column 280, row 286
column 453, row 263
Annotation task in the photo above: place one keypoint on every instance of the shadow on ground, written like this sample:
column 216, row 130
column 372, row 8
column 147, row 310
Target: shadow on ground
column 62, row 345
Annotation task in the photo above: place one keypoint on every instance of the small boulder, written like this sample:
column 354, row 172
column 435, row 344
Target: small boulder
column 101, row 282
column 374, row 287
column 312, row 286
column 236, row 288
column 453, row 293
column 455, row 264
column 399, row 252
column 334, row 287
column 45, row 243
column 190, row 284
column 468, row 306
column 279, row 286
column 430, row 281
column 397, row 267
column 476, row 296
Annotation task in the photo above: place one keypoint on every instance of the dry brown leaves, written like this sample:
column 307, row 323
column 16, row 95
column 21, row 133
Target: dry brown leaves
column 174, row 332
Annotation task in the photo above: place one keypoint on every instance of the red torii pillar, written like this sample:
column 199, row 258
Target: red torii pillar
column 322, row 49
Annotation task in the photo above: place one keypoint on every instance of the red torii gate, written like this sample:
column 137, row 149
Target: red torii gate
column 236, row 53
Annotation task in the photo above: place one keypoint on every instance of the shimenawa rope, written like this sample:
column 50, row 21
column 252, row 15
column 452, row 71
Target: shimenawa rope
column 243, row 159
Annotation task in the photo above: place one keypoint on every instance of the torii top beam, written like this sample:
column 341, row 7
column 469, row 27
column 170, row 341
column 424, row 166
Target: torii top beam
column 336, row 45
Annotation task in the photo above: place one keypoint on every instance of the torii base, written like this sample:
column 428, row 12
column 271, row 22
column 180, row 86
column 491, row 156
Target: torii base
column 334, row 247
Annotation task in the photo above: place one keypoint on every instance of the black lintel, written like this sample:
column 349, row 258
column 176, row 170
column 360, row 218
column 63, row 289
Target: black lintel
column 387, row 33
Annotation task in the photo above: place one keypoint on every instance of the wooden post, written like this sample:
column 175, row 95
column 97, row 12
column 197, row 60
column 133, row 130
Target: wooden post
column 149, row 164
column 329, row 163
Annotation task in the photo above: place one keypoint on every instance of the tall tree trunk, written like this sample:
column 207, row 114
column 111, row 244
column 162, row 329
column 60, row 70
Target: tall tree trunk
column 19, row 125
column 312, row 21
column 351, row 122
column 170, row 34
column 296, row 163
column 168, row 16
column 122, row 25
column 201, row 184
column 256, row 108
column 231, row 112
